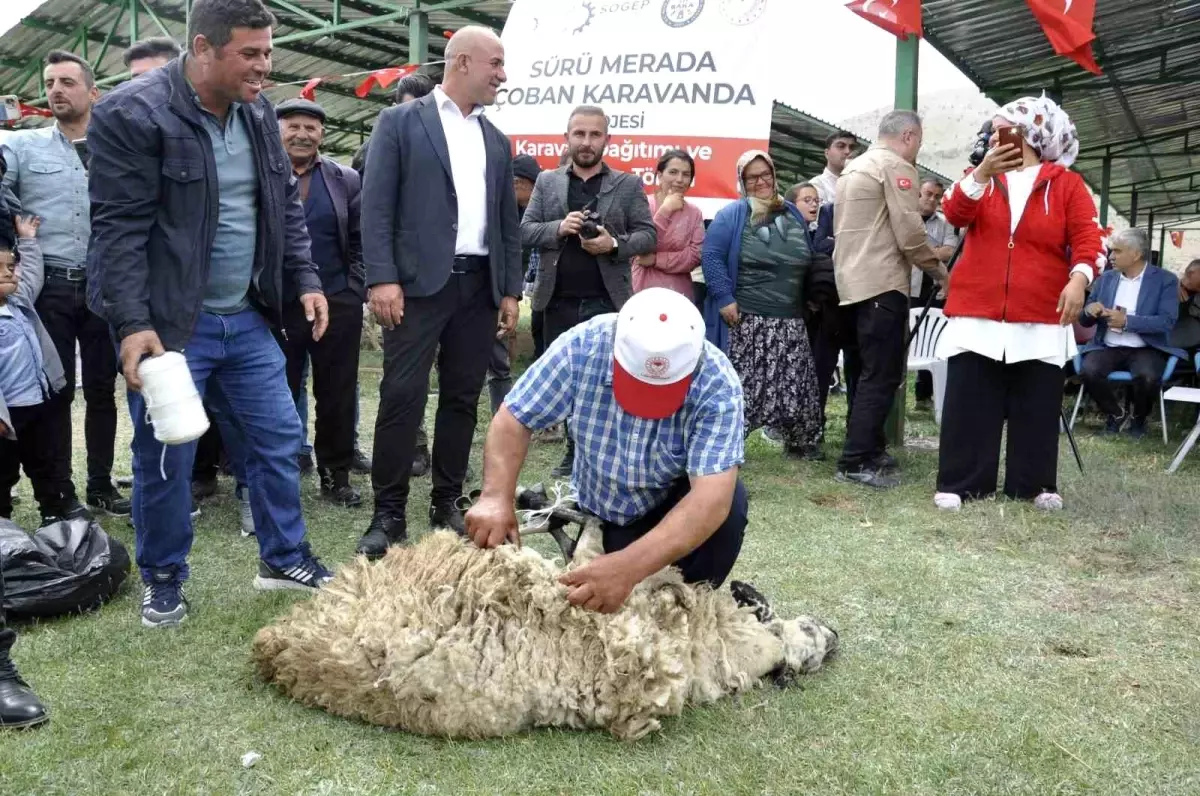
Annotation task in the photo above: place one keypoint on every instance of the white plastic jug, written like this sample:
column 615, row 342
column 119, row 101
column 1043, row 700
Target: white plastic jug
column 173, row 407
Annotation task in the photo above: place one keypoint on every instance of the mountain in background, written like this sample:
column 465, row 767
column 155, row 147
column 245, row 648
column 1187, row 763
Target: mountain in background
column 952, row 118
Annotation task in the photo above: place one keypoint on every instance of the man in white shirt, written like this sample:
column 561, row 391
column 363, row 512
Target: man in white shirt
column 1134, row 307
column 839, row 149
column 442, row 250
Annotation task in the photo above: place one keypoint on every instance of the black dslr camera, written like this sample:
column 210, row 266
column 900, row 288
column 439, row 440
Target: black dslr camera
column 983, row 139
column 591, row 222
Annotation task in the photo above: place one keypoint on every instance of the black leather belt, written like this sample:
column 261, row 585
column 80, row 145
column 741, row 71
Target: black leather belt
column 469, row 263
column 73, row 273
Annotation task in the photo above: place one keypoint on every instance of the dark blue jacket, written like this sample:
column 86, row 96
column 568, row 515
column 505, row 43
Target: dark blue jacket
column 720, row 258
column 410, row 208
column 1156, row 312
column 153, row 187
column 822, row 236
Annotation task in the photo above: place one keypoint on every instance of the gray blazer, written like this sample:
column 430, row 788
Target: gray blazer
column 625, row 212
column 32, row 276
column 410, row 209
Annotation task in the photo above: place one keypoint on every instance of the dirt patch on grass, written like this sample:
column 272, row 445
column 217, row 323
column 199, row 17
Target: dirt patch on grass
column 1069, row 649
column 832, row 500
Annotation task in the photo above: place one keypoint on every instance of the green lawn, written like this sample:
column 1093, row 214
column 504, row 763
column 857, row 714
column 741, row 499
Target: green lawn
column 995, row 651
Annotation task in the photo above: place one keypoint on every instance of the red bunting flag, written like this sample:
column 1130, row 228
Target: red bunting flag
column 309, row 92
column 384, row 78
column 901, row 18
column 1068, row 26
column 29, row 110
column 1177, row 238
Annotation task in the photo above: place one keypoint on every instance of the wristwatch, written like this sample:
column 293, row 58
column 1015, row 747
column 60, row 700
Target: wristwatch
column 616, row 245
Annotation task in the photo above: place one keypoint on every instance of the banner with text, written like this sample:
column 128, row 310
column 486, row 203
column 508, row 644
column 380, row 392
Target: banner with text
column 669, row 74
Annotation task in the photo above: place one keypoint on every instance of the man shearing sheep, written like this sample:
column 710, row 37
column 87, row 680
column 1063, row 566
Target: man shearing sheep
column 656, row 416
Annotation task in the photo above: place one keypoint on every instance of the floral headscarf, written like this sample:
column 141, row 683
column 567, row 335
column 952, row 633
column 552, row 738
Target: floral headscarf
column 1048, row 128
column 759, row 208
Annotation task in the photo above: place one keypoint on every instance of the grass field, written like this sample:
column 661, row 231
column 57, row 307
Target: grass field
column 997, row 651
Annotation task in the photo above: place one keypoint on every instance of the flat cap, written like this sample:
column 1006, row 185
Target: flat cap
column 300, row 105
column 525, row 166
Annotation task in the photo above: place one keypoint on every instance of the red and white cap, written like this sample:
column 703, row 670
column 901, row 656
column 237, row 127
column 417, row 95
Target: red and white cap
column 658, row 341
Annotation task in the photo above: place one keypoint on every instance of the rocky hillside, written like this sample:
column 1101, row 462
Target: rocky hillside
column 951, row 120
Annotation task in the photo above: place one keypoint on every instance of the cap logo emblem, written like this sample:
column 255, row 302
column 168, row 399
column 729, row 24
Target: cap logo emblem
column 657, row 367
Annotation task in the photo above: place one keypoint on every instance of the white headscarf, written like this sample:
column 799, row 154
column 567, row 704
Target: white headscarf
column 1048, row 128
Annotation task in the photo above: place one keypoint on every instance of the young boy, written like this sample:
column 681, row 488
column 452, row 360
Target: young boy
column 32, row 412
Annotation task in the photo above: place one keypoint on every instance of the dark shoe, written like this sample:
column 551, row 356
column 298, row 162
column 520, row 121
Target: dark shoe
column 886, row 463
column 19, row 706
column 448, row 517
column 1137, row 428
column 163, row 603
column 362, row 463
column 1112, row 426
column 807, row 453
column 868, row 476
column 109, row 501
column 306, row 464
column 335, row 487
column 70, row 510
column 421, row 462
column 383, row 532
column 567, row 465
column 308, row 575
column 125, row 481
column 204, row 488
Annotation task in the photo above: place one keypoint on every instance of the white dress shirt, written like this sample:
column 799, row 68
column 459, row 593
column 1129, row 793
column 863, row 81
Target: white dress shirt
column 1127, row 297
column 468, row 165
column 1000, row 340
column 826, row 185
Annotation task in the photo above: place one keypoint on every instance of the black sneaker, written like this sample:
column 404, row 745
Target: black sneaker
column 807, row 453
column 383, row 532
column 70, row 510
column 308, row 575
column 1113, row 424
column 306, row 464
column 868, row 476
column 566, row 466
column 447, row 516
column 361, row 463
column 335, row 487
column 163, row 603
column 19, row 706
column 421, row 462
column 109, row 501
column 204, row 487
column 1137, row 428
column 886, row 463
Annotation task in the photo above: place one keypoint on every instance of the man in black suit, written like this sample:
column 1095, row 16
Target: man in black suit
column 330, row 195
column 442, row 247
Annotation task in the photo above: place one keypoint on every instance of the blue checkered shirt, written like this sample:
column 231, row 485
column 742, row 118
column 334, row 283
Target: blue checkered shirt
column 625, row 465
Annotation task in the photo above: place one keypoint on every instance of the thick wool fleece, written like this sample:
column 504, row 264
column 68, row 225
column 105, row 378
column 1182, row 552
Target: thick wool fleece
column 445, row 639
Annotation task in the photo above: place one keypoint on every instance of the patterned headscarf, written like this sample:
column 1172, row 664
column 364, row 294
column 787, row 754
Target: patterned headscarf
column 759, row 208
column 1048, row 128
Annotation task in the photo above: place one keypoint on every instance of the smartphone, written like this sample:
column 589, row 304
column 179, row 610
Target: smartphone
column 1010, row 135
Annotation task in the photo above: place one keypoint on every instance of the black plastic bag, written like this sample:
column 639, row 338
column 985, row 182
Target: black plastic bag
column 65, row 568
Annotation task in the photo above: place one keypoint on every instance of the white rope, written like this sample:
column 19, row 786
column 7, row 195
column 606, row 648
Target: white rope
column 535, row 519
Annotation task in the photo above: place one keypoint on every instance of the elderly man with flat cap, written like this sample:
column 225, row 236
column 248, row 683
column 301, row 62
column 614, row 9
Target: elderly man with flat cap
column 329, row 193
column 656, row 413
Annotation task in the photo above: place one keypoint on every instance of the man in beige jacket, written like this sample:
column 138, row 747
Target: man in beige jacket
column 880, row 238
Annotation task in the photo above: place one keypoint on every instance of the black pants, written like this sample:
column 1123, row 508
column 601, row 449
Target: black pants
column 458, row 325
column 825, row 339
column 1145, row 364
column 980, row 394
column 873, row 333
column 714, row 558
column 499, row 374
column 536, row 326
column 64, row 313
column 563, row 314
column 209, row 453
column 43, row 450
column 334, row 373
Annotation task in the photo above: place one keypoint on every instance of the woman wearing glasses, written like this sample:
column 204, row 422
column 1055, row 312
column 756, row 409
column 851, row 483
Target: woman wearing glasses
column 756, row 259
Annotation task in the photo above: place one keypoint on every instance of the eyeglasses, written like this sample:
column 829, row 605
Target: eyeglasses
column 756, row 179
column 810, row 200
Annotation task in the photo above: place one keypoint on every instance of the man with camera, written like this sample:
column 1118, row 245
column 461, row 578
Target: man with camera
column 586, row 220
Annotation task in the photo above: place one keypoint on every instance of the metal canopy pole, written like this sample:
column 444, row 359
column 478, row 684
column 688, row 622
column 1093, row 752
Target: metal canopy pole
column 1105, row 186
column 418, row 36
column 1150, row 229
column 1133, row 208
column 1162, row 246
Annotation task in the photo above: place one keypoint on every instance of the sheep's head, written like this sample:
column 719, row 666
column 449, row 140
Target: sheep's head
column 807, row 644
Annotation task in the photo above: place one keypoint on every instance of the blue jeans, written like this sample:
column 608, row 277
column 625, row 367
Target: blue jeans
column 301, row 398
column 237, row 355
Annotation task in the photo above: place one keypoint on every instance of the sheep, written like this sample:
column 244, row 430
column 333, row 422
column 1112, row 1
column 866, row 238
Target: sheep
column 444, row 639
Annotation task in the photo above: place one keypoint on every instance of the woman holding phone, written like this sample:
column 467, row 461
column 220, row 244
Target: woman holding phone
column 680, row 226
column 1031, row 248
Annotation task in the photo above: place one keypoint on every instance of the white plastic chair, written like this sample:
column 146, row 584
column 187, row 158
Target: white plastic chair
column 922, row 353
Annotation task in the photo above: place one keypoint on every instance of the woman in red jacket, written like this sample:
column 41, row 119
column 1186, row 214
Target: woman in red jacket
column 1032, row 247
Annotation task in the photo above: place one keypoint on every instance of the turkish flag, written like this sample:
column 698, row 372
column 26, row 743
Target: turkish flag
column 309, row 92
column 901, row 18
column 1068, row 26
column 384, row 78
column 29, row 110
column 1177, row 238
